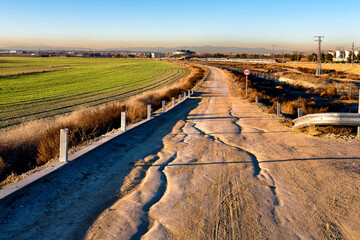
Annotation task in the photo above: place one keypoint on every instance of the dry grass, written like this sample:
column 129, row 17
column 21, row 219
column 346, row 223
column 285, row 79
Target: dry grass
column 34, row 143
column 332, row 131
column 345, row 98
column 2, row 165
column 33, row 72
column 328, row 67
column 289, row 107
column 329, row 93
column 313, row 130
column 311, row 101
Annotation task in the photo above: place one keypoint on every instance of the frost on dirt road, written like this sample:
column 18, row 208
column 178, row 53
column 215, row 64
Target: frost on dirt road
column 217, row 169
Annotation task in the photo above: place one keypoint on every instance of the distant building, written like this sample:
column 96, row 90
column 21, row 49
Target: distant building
column 183, row 53
column 339, row 54
column 347, row 54
column 157, row 55
column 342, row 56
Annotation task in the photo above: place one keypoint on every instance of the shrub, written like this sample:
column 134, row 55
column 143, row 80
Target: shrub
column 329, row 92
column 289, row 107
column 2, row 166
column 344, row 98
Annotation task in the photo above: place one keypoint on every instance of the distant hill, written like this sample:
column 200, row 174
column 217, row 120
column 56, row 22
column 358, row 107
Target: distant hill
column 199, row 49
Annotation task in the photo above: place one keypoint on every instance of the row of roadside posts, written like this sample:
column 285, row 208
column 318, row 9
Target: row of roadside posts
column 247, row 72
column 64, row 133
column 340, row 87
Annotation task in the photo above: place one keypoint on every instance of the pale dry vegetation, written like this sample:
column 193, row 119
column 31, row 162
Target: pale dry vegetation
column 34, row 143
column 292, row 97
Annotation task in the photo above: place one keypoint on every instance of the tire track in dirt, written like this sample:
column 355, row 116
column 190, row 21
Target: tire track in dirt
column 259, row 173
column 146, row 224
column 232, row 140
column 129, row 217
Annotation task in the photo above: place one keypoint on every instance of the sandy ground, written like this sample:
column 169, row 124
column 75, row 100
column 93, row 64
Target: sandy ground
column 216, row 168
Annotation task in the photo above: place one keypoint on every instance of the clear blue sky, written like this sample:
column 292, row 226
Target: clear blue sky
column 108, row 23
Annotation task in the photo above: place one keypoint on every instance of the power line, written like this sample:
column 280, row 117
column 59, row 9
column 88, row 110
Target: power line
column 318, row 68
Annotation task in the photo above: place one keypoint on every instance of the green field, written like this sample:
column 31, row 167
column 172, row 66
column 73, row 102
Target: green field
column 66, row 84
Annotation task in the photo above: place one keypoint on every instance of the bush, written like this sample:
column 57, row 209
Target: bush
column 2, row 166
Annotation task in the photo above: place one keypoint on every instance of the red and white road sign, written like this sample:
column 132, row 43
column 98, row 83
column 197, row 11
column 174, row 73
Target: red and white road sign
column 247, row 72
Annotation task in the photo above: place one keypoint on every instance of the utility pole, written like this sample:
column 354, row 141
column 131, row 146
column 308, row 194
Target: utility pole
column 274, row 52
column 318, row 68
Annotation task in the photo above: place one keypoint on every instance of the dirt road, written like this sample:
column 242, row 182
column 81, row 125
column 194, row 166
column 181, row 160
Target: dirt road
column 216, row 168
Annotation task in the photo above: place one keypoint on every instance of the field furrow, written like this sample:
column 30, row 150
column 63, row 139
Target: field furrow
column 30, row 88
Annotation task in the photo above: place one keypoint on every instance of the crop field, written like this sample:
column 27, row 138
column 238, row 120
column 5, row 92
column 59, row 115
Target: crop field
column 33, row 88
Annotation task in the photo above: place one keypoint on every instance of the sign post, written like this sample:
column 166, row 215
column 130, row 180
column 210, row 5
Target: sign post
column 246, row 73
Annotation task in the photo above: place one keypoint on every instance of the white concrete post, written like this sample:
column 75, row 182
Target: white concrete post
column 300, row 112
column 192, row 91
column 173, row 101
column 184, row 95
column 278, row 110
column 188, row 93
column 149, row 111
column 64, row 144
column 123, row 121
column 250, row 96
column 163, row 106
column 256, row 100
